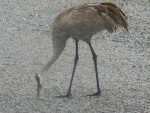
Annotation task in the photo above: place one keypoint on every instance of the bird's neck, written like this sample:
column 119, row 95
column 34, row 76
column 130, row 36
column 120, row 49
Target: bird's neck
column 55, row 55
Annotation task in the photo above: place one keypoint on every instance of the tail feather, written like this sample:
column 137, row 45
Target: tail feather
column 116, row 14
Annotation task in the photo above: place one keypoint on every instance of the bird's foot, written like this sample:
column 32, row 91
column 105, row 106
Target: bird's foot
column 98, row 93
column 68, row 95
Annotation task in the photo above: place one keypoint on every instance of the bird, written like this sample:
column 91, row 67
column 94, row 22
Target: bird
column 81, row 22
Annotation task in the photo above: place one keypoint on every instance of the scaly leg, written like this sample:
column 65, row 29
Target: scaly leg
column 74, row 68
column 96, row 72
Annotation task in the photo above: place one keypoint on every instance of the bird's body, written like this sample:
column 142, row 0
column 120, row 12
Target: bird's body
column 81, row 23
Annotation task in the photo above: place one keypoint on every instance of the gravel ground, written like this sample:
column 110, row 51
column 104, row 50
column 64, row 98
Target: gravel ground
column 123, row 61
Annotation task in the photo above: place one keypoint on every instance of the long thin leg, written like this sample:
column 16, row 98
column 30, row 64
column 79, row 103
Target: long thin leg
column 96, row 72
column 74, row 68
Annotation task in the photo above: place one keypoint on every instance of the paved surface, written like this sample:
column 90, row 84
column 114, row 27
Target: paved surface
column 123, row 61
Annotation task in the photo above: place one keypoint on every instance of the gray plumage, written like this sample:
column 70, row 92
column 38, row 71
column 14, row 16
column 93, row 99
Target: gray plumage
column 81, row 23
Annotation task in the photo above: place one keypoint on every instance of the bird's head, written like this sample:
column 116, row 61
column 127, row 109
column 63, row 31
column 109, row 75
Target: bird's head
column 39, row 84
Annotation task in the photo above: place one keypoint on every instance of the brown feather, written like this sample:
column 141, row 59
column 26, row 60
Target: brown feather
column 82, row 21
column 118, row 14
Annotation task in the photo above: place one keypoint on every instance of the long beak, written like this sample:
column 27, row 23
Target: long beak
column 39, row 86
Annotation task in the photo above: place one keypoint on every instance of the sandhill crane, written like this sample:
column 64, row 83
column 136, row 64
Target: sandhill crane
column 81, row 23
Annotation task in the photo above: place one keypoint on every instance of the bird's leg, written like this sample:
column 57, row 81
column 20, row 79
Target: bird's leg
column 96, row 72
column 74, row 68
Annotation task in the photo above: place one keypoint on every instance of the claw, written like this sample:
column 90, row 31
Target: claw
column 68, row 95
column 96, row 94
